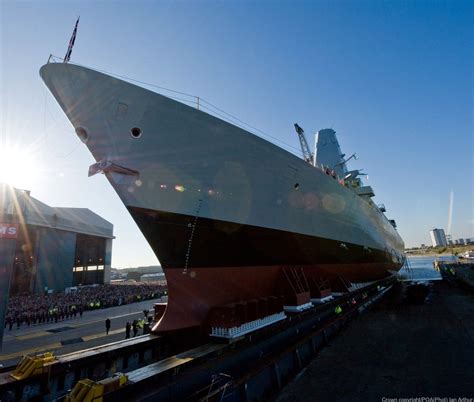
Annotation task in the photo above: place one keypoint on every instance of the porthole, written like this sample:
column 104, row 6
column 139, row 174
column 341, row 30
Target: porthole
column 135, row 132
column 82, row 134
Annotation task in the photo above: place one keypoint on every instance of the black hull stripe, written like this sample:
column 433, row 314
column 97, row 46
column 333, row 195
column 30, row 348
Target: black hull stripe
column 225, row 244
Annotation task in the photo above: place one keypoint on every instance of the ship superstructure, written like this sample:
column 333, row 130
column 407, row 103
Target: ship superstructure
column 231, row 216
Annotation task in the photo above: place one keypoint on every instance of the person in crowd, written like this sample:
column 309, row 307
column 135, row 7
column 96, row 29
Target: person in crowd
column 128, row 327
column 35, row 309
column 135, row 327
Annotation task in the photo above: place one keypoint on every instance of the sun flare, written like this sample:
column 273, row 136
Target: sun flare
column 18, row 167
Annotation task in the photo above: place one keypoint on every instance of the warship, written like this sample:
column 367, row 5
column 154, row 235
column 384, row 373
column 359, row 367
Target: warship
column 226, row 212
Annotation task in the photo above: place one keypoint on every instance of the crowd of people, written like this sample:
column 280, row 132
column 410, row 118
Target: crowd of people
column 31, row 309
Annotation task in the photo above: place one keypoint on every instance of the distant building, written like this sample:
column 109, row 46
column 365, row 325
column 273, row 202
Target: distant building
column 134, row 275
column 438, row 237
column 160, row 277
column 53, row 248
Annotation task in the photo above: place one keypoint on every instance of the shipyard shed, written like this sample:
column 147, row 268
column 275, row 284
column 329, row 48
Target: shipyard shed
column 54, row 247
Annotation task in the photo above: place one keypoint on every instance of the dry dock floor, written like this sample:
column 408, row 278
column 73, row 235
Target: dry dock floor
column 397, row 350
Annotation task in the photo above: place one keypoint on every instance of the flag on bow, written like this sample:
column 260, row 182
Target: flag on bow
column 71, row 42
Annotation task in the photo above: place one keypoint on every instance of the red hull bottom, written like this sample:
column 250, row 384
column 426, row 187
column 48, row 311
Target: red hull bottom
column 194, row 292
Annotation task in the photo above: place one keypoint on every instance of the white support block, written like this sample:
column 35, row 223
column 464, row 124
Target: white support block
column 322, row 300
column 297, row 309
column 234, row 332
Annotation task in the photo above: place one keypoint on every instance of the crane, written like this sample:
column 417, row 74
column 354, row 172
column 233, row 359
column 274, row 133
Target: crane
column 307, row 155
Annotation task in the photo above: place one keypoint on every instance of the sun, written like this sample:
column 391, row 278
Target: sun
column 18, row 167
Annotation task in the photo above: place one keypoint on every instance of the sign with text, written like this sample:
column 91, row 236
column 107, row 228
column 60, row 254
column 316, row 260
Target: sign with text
column 8, row 230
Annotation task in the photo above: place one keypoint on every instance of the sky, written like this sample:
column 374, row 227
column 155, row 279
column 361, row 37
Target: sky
column 393, row 78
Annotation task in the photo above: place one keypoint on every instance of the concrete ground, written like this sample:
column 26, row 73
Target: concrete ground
column 72, row 334
column 397, row 350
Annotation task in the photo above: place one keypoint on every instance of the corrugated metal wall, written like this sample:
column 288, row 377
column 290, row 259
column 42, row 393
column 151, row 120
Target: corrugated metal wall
column 108, row 260
column 55, row 259
column 7, row 252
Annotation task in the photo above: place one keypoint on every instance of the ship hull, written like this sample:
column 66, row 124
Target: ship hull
column 216, row 202
column 210, row 263
column 184, row 241
column 195, row 291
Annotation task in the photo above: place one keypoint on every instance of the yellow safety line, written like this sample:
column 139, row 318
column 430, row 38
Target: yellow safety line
column 102, row 334
column 33, row 335
column 81, row 324
column 37, row 350
column 73, row 326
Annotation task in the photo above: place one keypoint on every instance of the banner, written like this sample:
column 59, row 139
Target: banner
column 8, row 230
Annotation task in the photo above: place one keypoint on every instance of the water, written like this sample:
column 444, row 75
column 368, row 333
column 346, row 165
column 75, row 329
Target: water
column 421, row 268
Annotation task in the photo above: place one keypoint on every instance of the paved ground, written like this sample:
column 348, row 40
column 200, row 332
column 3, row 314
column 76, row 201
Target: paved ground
column 71, row 335
column 397, row 350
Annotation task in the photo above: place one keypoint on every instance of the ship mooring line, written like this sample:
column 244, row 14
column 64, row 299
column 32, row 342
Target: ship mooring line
column 247, row 124
column 248, row 127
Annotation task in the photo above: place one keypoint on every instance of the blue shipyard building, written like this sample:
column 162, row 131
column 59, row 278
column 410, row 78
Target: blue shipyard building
column 51, row 248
